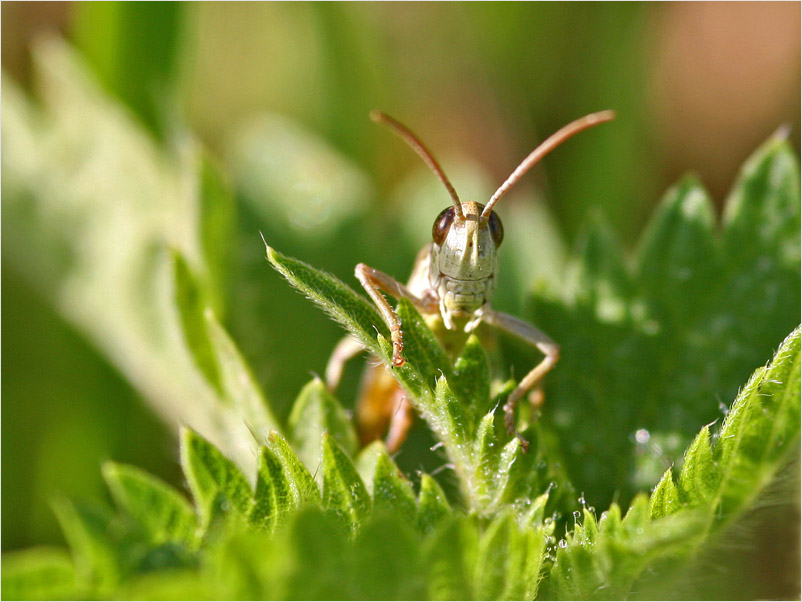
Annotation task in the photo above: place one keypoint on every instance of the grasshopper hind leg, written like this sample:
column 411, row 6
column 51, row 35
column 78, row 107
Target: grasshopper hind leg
column 536, row 338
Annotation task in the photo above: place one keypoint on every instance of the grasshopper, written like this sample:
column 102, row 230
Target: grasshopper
column 454, row 276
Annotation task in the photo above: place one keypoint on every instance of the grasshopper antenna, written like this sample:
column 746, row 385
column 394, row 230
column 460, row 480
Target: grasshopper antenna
column 413, row 141
column 548, row 145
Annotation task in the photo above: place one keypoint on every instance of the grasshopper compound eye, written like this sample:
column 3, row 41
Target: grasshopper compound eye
column 496, row 229
column 442, row 224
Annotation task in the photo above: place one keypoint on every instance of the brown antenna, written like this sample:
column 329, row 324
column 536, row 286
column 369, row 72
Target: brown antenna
column 541, row 151
column 413, row 141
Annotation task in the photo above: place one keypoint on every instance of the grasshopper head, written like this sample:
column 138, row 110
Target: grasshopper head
column 466, row 244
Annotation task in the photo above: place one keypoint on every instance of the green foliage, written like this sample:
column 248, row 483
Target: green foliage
column 653, row 348
column 649, row 348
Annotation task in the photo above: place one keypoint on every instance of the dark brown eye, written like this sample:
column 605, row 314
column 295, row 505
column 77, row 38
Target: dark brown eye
column 442, row 224
column 496, row 229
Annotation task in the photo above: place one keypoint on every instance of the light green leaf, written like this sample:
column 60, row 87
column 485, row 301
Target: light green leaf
column 293, row 176
column 273, row 498
column 433, row 506
column 699, row 478
column 302, row 484
column 39, row 574
column 241, row 391
column 387, row 561
column 472, row 373
column 163, row 514
column 97, row 550
column 216, row 483
column 760, row 429
column 100, row 213
column 509, row 560
column 344, row 493
column 316, row 411
column 450, row 560
column 665, row 498
column 353, row 311
column 391, row 491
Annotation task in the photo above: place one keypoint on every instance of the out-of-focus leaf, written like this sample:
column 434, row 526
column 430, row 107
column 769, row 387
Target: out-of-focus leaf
column 433, row 507
column 636, row 376
column 97, row 549
column 99, row 213
column 387, row 561
column 39, row 574
column 134, row 51
column 163, row 514
column 450, row 557
column 290, row 175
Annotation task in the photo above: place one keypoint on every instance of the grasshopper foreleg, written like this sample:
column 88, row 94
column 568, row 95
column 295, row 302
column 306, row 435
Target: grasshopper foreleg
column 532, row 335
column 374, row 282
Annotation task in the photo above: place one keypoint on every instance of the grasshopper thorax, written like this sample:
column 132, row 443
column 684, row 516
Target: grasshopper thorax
column 463, row 260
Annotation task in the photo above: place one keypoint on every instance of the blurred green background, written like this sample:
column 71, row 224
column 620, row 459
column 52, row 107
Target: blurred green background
column 697, row 86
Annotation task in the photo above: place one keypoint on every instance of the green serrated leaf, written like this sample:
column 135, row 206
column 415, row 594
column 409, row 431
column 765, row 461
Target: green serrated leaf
column 216, row 483
column 162, row 512
column 342, row 303
column 450, row 420
column 391, row 491
column 763, row 209
column 637, row 516
column 601, row 281
column 472, row 376
column 421, row 349
column 366, row 462
column 316, row 411
column 433, row 505
column 679, row 254
column 665, row 498
column 39, row 574
column 273, row 499
column 509, row 560
column 360, row 317
column 344, row 493
column 302, row 483
column 761, row 427
column 698, row 479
